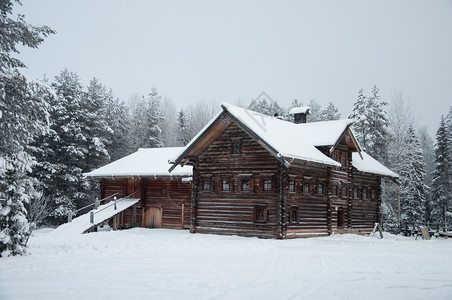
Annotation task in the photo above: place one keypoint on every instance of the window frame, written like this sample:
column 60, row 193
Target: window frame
column 260, row 214
column 228, row 182
column 293, row 215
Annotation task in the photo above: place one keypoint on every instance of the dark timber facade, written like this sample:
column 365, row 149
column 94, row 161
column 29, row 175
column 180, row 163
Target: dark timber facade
column 241, row 186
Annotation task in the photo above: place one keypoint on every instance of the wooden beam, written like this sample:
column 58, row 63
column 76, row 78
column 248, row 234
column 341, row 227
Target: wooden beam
column 183, row 216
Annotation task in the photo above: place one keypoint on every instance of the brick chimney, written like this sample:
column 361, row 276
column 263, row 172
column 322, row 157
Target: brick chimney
column 299, row 114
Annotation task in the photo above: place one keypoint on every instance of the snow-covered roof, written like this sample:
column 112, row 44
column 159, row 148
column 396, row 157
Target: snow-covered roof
column 289, row 140
column 323, row 133
column 368, row 164
column 299, row 110
column 146, row 162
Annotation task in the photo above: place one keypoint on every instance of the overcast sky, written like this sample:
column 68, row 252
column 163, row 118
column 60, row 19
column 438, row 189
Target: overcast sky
column 233, row 50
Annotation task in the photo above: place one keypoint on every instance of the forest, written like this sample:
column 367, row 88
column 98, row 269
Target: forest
column 54, row 130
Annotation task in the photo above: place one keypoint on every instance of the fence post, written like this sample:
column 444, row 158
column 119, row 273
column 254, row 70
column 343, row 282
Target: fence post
column 69, row 216
column 91, row 217
column 96, row 203
column 115, row 201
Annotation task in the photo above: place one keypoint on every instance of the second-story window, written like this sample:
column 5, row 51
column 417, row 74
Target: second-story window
column 267, row 184
column 206, row 186
column 292, row 186
column 225, row 185
column 245, row 185
column 320, row 189
column 307, row 188
column 236, row 147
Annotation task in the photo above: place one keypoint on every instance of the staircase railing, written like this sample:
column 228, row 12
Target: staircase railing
column 96, row 203
column 114, row 203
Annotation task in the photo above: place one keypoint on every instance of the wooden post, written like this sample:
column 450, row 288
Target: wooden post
column 183, row 216
column 134, row 216
column 329, row 218
column 115, row 225
column 194, row 196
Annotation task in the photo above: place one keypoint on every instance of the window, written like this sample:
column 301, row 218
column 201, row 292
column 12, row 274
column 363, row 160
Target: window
column 334, row 155
column 260, row 214
column 344, row 160
column 372, row 194
column 236, row 147
column 267, row 185
column 225, row 185
column 164, row 190
column 245, row 185
column 343, row 191
column 206, row 185
column 334, row 190
column 306, row 188
column 292, row 186
column 293, row 214
column 364, row 193
column 355, row 193
column 320, row 189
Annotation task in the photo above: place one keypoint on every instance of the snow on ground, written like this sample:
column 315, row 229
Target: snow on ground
column 174, row 264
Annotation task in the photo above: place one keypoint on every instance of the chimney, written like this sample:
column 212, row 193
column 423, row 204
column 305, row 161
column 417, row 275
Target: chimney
column 299, row 114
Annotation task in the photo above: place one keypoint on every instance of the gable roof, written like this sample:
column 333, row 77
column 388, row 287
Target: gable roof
column 146, row 162
column 286, row 141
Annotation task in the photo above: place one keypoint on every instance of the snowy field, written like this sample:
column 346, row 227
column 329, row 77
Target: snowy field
column 173, row 264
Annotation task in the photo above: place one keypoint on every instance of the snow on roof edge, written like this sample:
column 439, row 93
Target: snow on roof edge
column 368, row 164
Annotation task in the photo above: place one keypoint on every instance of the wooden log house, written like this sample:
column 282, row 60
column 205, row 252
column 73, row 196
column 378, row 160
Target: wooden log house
column 256, row 175
column 165, row 198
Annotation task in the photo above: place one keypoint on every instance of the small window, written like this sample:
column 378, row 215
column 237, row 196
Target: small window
column 225, row 185
column 292, row 186
column 267, row 185
column 293, row 214
column 236, row 147
column 355, row 193
column 320, row 189
column 344, row 191
column 306, row 188
column 260, row 214
column 245, row 185
column 334, row 190
column 164, row 190
column 372, row 194
column 206, row 185
column 344, row 160
column 364, row 193
column 334, row 155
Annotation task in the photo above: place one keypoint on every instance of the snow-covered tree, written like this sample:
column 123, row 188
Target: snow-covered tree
column 413, row 191
column 371, row 124
column 442, row 176
column 265, row 105
column 23, row 115
column 169, row 125
column 315, row 112
column 330, row 113
column 146, row 120
column 200, row 113
column 400, row 119
column 118, row 119
column 183, row 135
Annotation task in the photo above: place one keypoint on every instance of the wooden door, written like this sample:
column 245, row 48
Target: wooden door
column 340, row 218
column 153, row 217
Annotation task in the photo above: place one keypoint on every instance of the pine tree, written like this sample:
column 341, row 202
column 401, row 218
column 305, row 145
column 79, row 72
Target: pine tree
column 442, row 176
column 413, row 191
column 315, row 112
column 330, row 113
column 118, row 119
column 371, row 124
column 265, row 105
column 153, row 120
column 183, row 136
column 62, row 154
column 95, row 128
column 23, row 115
